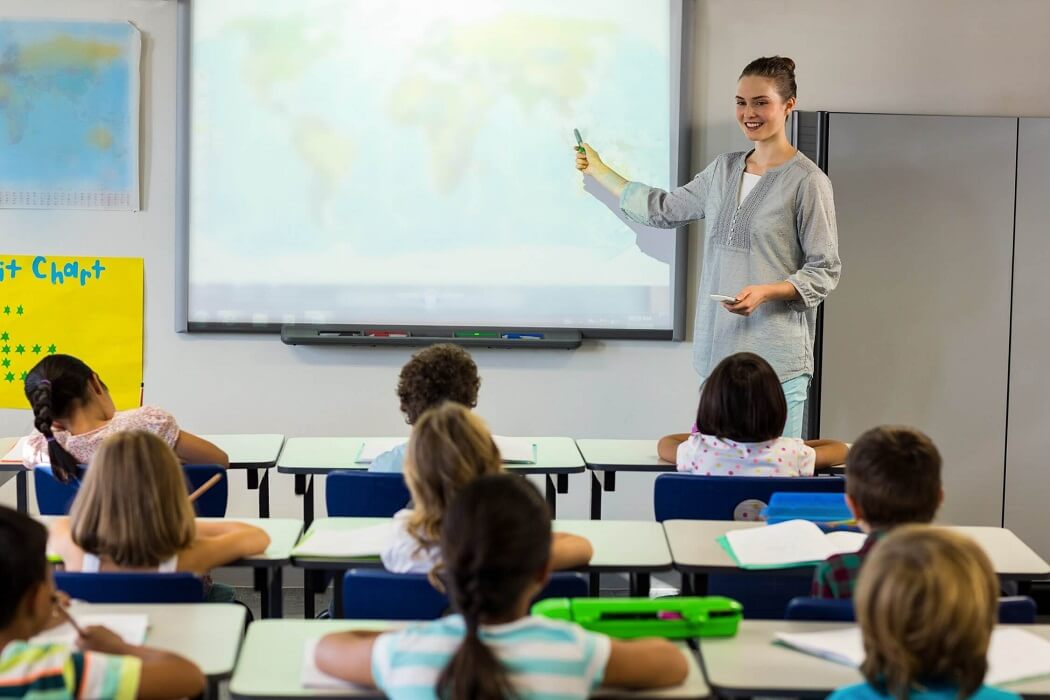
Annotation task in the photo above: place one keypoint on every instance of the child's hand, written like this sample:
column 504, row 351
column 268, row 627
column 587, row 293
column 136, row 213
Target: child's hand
column 588, row 162
column 101, row 639
column 60, row 600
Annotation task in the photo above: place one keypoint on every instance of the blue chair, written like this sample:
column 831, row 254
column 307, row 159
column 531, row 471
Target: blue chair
column 361, row 494
column 1013, row 610
column 693, row 497
column 374, row 594
column 55, row 498
column 131, row 587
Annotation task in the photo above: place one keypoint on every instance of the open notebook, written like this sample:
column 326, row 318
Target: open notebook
column 131, row 627
column 1014, row 654
column 791, row 543
column 363, row 542
column 512, row 450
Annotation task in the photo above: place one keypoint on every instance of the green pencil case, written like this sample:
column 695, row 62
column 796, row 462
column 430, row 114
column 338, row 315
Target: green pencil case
column 629, row 618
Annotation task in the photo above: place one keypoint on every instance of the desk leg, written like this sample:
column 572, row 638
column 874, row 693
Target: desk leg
column 563, row 483
column 552, row 496
column 21, row 491
column 276, row 592
column 308, row 501
column 596, row 497
column 259, row 582
column 687, row 584
column 309, row 612
column 337, row 595
column 264, row 494
column 594, row 585
column 300, row 484
column 640, row 584
column 253, row 479
column 699, row 584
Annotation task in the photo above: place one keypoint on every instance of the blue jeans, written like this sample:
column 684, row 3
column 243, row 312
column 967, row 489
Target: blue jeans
column 796, row 391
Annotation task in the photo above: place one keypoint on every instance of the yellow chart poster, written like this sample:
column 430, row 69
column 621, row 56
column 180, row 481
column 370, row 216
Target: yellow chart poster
column 83, row 306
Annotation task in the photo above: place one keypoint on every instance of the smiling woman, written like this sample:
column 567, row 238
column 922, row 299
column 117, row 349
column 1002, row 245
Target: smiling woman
column 771, row 241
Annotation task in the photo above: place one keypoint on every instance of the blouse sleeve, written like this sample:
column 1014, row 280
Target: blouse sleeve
column 652, row 206
column 819, row 239
column 160, row 423
column 34, row 450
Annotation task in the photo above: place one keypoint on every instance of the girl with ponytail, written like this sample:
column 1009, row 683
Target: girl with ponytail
column 73, row 413
column 496, row 541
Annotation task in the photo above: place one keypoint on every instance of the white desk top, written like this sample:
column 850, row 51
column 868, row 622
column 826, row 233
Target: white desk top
column 270, row 664
column 619, row 545
column 320, row 455
column 208, row 634
column 249, row 451
column 623, row 455
column 750, row 664
column 693, row 548
column 6, row 445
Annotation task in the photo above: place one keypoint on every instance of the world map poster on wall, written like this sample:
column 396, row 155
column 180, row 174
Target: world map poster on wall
column 69, row 115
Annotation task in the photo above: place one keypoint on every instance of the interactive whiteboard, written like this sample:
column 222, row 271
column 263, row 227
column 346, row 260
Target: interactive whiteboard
column 355, row 161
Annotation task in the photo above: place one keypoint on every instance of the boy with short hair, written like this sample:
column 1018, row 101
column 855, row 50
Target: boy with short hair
column 893, row 477
column 104, row 666
column 434, row 375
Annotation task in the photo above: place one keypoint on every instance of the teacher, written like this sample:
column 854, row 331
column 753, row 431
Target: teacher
column 771, row 241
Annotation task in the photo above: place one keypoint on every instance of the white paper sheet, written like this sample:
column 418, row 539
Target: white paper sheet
column 791, row 542
column 130, row 626
column 374, row 447
column 1014, row 654
column 512, row 450
column 14, row 455
column 364, row 542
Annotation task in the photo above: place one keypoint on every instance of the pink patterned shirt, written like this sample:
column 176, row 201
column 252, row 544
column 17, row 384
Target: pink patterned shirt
column 83, row 446
column 711, row 456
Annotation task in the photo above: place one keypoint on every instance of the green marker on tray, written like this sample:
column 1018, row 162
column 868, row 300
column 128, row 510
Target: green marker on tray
column 579, row 140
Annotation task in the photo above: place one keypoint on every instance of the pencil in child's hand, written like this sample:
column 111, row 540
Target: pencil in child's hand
column 64, row 614
column 205, row 486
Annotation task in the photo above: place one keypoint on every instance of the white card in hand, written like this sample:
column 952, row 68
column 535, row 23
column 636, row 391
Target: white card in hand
column 130, row 627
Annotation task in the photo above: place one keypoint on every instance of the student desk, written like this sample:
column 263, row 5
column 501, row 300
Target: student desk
column 21, row 474
column 208, row 634
column 750, row 664
column 307, row 457
column 638, row 548
column 270, row 664
column 695, row 551
column 254, row 453
column 605, row 458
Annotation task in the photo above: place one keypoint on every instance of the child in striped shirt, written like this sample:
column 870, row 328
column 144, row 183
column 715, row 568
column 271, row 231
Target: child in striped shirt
column 496, row 540
column 103, row 666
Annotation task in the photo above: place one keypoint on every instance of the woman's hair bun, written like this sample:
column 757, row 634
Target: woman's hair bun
column 779, row 69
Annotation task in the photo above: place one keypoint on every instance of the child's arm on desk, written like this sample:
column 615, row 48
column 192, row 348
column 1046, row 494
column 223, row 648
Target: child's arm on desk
column 164, row 675
column 644, row 663
column 667, row 446
column 347, row 655
column 221, row 542
column 196, row 450
column 569, row 551
column 830, row 453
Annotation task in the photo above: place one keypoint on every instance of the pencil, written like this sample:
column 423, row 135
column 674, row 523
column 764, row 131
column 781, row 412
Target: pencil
column 205, row 486
column 68, row 618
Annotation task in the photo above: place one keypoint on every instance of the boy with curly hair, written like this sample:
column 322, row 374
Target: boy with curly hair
column 436, row 374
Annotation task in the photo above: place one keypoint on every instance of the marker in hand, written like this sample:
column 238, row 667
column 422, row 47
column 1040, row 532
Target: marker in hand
column 579, row 140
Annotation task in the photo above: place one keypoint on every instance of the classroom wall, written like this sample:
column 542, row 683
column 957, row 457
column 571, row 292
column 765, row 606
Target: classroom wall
column 920, row 56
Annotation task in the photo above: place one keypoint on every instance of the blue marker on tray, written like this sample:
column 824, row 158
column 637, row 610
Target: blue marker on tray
column 523, row 336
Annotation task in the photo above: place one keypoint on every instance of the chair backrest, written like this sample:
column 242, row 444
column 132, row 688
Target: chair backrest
column 131, row 587
column 212, row 503
column 360, row 494
column 55, row 498
column 1013, row 610
column 374, row 594
column 52, row 496
column 694, row 497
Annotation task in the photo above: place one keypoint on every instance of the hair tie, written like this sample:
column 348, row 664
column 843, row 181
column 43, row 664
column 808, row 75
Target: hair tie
column 44, row 382
column 51, row 438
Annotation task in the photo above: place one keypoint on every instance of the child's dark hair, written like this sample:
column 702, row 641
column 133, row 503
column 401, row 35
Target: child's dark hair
column 742, row 401
column 779, row 69
column 53, row 387
column 23, row 560
column 893, row 475
column 439, row 373
column 495, row 541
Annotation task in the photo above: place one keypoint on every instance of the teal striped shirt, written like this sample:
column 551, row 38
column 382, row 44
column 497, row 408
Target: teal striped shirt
column 546, row 659
column 57, row 672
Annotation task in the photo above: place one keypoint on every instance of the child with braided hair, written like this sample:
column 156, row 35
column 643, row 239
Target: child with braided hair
column 73, row 413
column 496, row 540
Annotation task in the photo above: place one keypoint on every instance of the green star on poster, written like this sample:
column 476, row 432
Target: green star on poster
column 36, row 349
column 20, row 349
column 10, row 377
column 51, row 349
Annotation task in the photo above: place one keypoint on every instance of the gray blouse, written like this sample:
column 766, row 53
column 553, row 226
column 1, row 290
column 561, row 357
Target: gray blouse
column 783, row 230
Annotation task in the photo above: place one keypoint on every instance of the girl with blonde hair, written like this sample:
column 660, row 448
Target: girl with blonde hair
column 127, row 518
column 927, row 601
column 450, row 447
